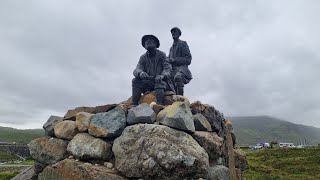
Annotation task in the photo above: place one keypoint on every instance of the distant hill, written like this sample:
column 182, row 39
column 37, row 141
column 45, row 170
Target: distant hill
column 255, row 129
column 11, row 135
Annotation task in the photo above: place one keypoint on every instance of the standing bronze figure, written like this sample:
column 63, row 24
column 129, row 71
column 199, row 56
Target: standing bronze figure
column 151, row 72
column 180, row 58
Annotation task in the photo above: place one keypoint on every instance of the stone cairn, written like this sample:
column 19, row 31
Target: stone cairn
column 119, row 141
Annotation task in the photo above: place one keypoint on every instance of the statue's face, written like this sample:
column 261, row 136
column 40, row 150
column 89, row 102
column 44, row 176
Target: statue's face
column 175, row 34
column 150, row 44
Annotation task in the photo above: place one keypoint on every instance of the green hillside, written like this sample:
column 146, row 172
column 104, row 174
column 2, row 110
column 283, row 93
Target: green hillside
column 255, row 129
column 284, row 164
column 11, row 135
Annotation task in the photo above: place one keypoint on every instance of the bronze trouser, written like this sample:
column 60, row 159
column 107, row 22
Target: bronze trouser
column 141, row 86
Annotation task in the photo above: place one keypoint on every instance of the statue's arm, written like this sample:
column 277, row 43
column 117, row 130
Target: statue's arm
column 139, row 68
column 186, row 57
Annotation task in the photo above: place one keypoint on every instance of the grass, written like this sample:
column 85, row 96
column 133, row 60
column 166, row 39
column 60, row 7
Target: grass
column 8, row 175
column 284, row 164
column 26, row 162
column 4, row 157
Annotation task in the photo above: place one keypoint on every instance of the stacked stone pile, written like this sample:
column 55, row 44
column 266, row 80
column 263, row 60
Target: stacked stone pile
column 119, row 141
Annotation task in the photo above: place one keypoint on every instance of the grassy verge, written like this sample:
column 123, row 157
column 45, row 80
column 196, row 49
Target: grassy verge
column 26, row 162
column 8, row 175
column 284, row 164
column 6, row 157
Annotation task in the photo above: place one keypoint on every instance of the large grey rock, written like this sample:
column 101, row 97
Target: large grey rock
column 109, row 124
column 50, row 124
column 212, row 143
column 83, row 120
column 178, row 115
column 142, row 113
column 218, row 173
column 152, row 151
column 70, row 169
column 66, row 130
column 48, row 150
column 85, row 146
column 201, row 123
column 215, row 118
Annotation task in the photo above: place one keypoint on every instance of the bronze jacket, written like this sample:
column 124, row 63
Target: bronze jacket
column 157, row 65
column 180, row 52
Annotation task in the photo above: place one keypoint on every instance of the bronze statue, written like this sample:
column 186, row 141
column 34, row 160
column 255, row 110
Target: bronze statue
column 151, row 72
column 180, row 58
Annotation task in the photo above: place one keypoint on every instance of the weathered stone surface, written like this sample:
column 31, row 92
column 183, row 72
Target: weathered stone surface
column 215, row 119
column 179, row 98
column 142, row 113
column 71, row 114
column 201, row 123
column 38, row 167
column 212, row 143
column 48, row 151
column 156, row 107
column 148, row 98
column 197, row 107
column 218, row 173
column 240, row 159
column 70, row 169
column 83, row 120
column 50, row 124
column 27, row 174
column 152, row 151
column 177, row 115
column 66, row 130
column 109, row 124
column 85, row 146
column 104, row 108
column 230, row 151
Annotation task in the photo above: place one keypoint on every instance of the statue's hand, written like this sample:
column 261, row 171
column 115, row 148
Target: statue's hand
column 171, row 60
column 144, row 75
column 166, row 75
column 159, row 78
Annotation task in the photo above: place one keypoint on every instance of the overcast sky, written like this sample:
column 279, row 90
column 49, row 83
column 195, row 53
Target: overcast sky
column 249, row 57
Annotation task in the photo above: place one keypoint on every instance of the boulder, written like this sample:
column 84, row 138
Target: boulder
column 50, row 124
column 212, row 143
column 70, row 169
column 179, row 98
column 83, row 120
column 201, row 123
column 218, row 173
column 215, row 119
column 85, row 146
column 156, row 107
column 148, row 98
column 66, row 130
column 240, row 159
column 197, row 107
column 177, row 115
column 48, row 150
column 27, row 174
column 142, row 113
column 71, row 114
column 109, row 124
column 38, row 167
column 104, row 108
column 152, row 151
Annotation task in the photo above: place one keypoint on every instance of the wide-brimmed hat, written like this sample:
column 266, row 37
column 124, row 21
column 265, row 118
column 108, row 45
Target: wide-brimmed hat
column 176, row 28
column 150, row 36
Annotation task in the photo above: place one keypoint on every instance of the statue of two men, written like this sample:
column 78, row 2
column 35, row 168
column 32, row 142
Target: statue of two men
column 156, row 72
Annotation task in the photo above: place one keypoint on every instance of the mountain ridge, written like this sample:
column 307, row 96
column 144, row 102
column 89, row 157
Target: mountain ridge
column 250, row 130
